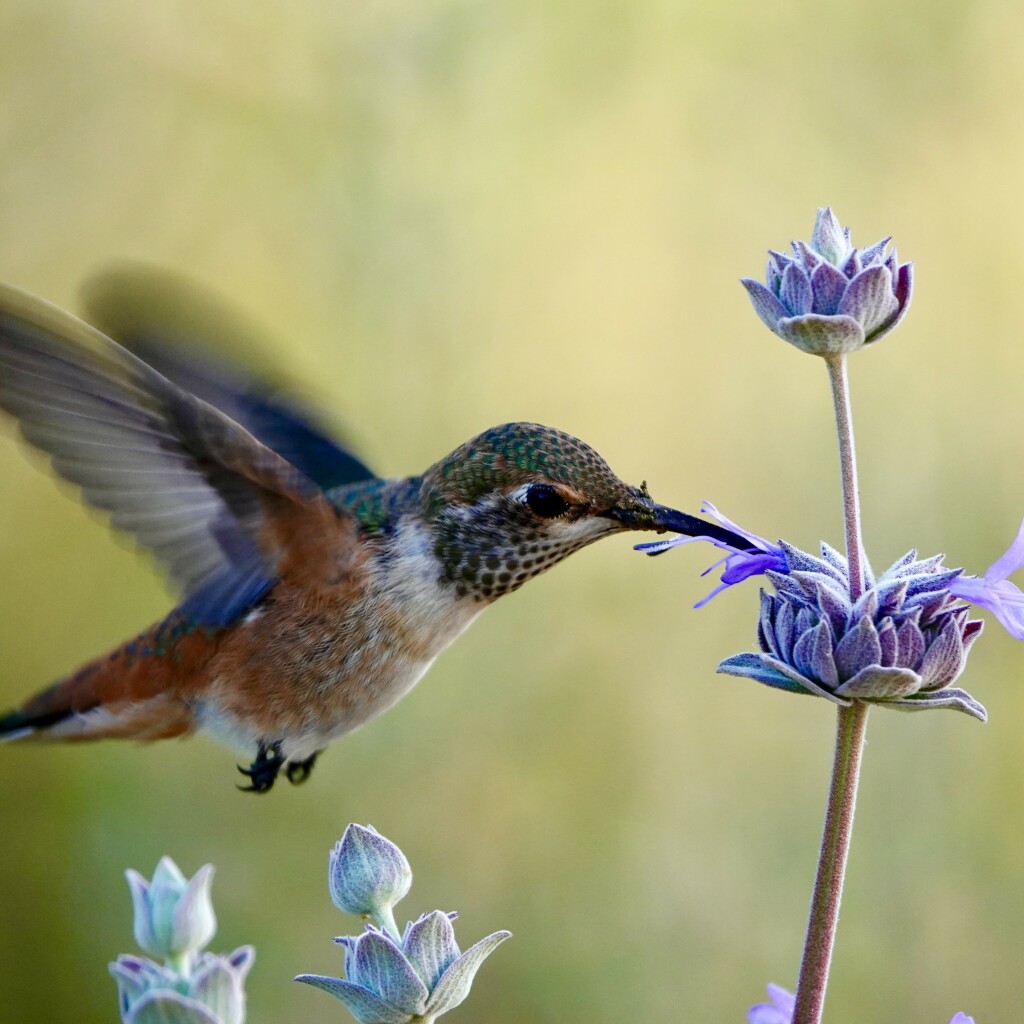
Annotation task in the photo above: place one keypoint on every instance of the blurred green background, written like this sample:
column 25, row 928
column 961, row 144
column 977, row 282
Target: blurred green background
column 451, row 214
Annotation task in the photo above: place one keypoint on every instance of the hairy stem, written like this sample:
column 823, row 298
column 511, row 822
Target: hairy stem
column 850, row 728
column 835, row 846
column 848, row 468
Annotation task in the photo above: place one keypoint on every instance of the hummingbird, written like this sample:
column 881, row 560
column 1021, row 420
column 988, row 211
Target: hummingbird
column 314, row 594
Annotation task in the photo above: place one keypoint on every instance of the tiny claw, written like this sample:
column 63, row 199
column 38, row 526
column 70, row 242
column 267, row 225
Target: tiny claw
column 264, row 770
column 298, row 771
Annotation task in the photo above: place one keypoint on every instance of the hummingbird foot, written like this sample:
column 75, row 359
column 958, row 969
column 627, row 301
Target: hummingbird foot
column 298, row 771
column 264, row 770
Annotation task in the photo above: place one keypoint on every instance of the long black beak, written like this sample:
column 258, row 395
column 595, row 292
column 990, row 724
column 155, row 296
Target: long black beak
column 643, row 514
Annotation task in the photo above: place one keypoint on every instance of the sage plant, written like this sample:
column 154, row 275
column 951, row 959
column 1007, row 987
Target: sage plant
column 830, row 627
column 391, row 978
column 174, row 920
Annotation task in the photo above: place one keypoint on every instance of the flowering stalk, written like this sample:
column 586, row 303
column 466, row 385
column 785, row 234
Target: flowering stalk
column 851, row 725
column 832, row 628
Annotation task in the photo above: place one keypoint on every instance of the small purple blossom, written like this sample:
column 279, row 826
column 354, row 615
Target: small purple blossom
column 780, row 1009
column 995, row 592
column 829, row 297
column 901, row 644
column 739, row 564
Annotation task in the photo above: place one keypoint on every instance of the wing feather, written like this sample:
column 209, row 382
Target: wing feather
column 186, row 480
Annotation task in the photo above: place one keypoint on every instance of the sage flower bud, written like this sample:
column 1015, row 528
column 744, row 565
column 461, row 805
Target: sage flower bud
column 418, row 980
column 173, row 917
column 212, row 993
column 367, row 874
column 828, row 297
column 391, row 979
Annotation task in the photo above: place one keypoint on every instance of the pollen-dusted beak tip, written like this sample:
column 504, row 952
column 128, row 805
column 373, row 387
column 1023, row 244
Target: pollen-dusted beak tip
column 643, row 514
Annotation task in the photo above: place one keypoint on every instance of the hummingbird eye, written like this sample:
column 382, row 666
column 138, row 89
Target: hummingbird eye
column 545, row 501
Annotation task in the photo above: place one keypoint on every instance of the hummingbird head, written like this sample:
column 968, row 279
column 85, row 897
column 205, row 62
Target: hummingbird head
column 518, row 498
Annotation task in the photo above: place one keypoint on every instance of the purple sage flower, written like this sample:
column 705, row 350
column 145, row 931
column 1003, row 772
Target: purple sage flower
column 419, row 979
column 995, row 592
column 780, row 1009
column 740, row 563
column 901, row 644
column 829, row 297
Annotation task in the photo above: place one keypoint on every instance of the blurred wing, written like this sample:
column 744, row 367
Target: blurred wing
column 191, row 484
column 173, row 325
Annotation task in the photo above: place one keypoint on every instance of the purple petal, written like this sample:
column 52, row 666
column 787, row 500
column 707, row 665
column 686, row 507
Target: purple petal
column 762, row 669
column 1010, row 561
column 366, row 1006
column 777, row 263
column 869, row 299
column 795, row 291
column 828, row 237
column 910, row 644
column 809, row 259
column 953, row 698
column 889, row 644
column 961, row 1018
column 902, row 287
column 454, row 984
column 858, row 649
column 380, row 966
column 745, row 564
column 754, row 666
column 707, row 509
column 766, row 305
column 875, row 683
column 164, row 1006
column 1002, row 598
column 739, row 565
column 822, row 335
column 430, row 946
column 828, row 285
column 853, row 265
column 784, row 632
column 874, row 253
column 814, row 656
column 944, row 659
column 778, row 1011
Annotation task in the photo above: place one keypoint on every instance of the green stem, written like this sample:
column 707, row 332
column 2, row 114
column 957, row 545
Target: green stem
column 385, row 920
column 180, row 964
column 835, row 847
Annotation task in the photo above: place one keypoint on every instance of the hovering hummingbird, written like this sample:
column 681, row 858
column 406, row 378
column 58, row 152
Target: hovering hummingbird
column 314, row 594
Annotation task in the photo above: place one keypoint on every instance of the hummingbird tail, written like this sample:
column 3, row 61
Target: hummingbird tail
column 133, row 692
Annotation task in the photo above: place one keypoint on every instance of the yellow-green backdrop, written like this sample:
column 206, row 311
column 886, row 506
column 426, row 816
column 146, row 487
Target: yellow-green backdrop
column 447, row 214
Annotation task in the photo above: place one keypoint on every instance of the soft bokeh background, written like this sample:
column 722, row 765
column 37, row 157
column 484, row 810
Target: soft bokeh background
column 450, row 214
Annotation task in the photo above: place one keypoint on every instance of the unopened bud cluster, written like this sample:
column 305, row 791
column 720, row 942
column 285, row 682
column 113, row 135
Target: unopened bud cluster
column 392, row 978
column 828, row 297
column 174, row 920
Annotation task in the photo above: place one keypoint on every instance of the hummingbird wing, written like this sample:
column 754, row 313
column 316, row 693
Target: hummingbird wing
column 223, row 512
column 176, row 326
